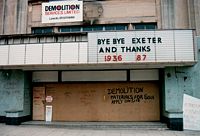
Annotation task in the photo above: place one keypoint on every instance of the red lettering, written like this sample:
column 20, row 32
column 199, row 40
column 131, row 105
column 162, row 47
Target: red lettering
column 114, row 58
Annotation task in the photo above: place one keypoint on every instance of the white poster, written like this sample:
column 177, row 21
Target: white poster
column 49, row 113
column 62, row 11
column 191, row 113
column 141, row 46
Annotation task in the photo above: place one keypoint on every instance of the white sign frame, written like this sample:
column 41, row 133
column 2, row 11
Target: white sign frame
column 159, row 46
column 62, row 11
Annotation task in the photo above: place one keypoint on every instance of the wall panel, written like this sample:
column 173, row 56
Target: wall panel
column 69, row 53
column 4, row 55
column 51, row 53
column 94, row 76
column 17, row 54
column 45, row 76
column 31, row 56
column 105, row 101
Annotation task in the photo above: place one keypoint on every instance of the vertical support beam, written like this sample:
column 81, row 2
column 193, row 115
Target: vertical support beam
column 21, row 21
column 191, row 14
column 181, row 14
column 2, row 4
column 167, row 14
column 173, row 114
column 15, row 95
column 13, row 18
column 197, row 16
column 10, row 16
column 158, row 13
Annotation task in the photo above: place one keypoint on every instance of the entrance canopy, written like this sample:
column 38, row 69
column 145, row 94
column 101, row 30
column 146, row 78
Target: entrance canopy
column 109, row 50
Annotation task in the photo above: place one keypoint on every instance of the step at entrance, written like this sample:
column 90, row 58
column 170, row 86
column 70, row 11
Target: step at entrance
column 102, row 125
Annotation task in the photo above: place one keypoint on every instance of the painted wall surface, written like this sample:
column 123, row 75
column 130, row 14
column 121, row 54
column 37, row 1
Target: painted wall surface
column 14, row 92
column 1, row 17
column 179, row 81
column 180, row 14
column 175, row 14
column 16, row 16
column 13, row 16
column 196, row 16
column 104, row 12
column 27, row 94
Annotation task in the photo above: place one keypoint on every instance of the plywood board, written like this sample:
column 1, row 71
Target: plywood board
column 38, row 103
column 105, row 101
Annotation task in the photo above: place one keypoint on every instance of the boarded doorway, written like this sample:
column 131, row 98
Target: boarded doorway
column 113, row 101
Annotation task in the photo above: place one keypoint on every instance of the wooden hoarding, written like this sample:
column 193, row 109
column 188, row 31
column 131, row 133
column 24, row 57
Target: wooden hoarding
column 38, row 103
column 105, row 101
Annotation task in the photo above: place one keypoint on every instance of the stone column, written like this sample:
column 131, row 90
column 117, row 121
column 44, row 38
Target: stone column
column 167, row 14
column 181, row 14
column 15, row 96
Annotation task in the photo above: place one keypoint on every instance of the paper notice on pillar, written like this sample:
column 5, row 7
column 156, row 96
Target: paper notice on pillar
column 49, row 113
column 191, row 113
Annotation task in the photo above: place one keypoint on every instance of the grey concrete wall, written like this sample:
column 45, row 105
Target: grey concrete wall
column 22, row 13
column 174, row 14
column 13, row 16
column 104, row 12
column 180, row 14
column 14, row 92
column 1, row 16
column 179, row 81
column 27, row 107
column 167, row 14
column 197, row 15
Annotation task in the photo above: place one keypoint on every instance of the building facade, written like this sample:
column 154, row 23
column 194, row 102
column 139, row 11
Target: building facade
column 110, row 60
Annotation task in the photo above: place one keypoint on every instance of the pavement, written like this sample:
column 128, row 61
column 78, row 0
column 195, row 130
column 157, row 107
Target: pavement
column 37, row 130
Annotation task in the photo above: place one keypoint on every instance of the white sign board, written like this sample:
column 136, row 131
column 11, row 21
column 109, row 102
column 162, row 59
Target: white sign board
column 49, row 98
column 191, row 113
column 62, row 11
column 49, row 111
column 141, row 46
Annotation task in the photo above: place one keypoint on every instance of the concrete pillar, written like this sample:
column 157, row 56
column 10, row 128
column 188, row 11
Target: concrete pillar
column 15, row 96
column 197, row 16
column 181, row 14
column 174, row 14
column 1, row 16
column 191, row 14
column 167, row 14
column 14, row 16
column 173, row 113
column 22, row 11
column 177, row 82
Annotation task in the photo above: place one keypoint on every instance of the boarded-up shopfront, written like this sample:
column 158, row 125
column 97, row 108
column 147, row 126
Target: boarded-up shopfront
column 114, row 76
column 111, row 101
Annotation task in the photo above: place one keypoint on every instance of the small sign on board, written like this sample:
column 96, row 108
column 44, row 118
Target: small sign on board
column 49, row 98
column 49, row 113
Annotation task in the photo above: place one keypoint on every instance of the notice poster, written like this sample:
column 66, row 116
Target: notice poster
column 191, row 113
column 49, row 113
column 62, row 11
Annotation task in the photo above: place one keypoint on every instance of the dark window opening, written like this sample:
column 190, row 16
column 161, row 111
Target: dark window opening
column 145, row 26
column 111, row 27
column 42, row 30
